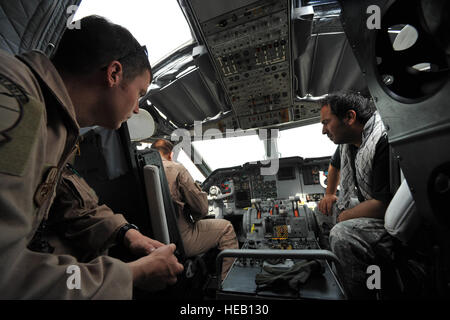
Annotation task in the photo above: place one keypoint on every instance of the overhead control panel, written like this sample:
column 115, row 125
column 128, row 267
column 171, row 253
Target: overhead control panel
column 249, row 45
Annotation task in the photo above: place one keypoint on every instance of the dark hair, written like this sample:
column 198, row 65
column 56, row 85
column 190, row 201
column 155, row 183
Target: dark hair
column 340, row 103
column 95, row 44
column 162, row 145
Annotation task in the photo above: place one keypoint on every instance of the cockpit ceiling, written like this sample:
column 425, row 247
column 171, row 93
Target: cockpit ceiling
column 265, row 61
column 328, row 65
column 32, row 24
column 186, row 99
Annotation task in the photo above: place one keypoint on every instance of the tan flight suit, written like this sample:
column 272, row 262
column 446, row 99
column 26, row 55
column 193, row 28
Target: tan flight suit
column 77, row 225
column 31, row 163
column 204, row 234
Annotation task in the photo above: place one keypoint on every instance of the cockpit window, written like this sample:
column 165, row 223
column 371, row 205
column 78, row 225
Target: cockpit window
column 159, row 25
column 189, row 165
column 230, row 152
column 307, row 142
column 181, row 158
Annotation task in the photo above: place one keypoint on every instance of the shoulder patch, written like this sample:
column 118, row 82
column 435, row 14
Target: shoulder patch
column 20, row 117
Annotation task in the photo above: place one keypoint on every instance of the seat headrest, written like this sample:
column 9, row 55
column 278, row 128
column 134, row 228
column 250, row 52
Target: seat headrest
column 141, row 126
column 401, row 218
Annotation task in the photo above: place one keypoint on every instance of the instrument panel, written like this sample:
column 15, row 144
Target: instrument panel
column 250, row 50
column 231, row 190
column 277, row 228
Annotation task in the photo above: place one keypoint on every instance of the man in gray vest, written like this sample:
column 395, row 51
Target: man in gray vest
column 360, row 166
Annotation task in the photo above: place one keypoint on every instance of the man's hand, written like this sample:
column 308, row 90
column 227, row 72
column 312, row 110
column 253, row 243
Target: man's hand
column 157, row 270
column 370, row 209
column 139, row 244
column 343, row 216
column 326, row 204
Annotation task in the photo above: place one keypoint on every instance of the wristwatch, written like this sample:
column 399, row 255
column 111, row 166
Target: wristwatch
column 123, row 230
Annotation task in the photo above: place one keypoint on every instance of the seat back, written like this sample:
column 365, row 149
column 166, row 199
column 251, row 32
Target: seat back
column 163, row 218
column 156, row 204
column 164, row 224
column 401, row 218
column 141, row 126
column 161, row 207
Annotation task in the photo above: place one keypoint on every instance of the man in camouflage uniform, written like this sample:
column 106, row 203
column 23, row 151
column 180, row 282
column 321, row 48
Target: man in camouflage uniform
column 95, row 78
column 199, row 235
column 361, row 166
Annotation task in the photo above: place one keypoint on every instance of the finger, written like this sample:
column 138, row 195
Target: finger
column 172, row 247
column 329, row 204
column 150, row 249
column 154, row 243
column 157, row 244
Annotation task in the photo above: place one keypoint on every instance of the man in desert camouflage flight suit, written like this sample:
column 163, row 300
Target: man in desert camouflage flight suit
column 198, row 234
column 96, row 77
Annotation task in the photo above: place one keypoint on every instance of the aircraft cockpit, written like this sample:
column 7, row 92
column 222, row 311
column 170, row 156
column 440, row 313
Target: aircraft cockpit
column 238, row 102
column 241, row 102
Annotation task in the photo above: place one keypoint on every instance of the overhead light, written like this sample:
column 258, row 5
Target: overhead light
column 423, row 67
column 403, row 36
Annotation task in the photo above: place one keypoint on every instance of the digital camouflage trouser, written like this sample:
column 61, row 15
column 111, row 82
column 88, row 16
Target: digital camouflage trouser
column 355, row 243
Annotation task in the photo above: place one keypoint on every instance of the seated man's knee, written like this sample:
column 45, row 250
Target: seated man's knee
column 340, row 234
column 229, row 239
column 225, row 225
column 229, row 226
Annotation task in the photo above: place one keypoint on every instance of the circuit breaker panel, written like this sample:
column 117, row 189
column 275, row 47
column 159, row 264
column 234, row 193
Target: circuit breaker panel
column 249, row 45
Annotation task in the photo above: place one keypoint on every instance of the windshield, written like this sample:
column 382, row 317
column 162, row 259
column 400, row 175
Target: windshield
column 181, row 158
column 307, row 142
column 159, row 25
column 230, row 152
column 189, row 165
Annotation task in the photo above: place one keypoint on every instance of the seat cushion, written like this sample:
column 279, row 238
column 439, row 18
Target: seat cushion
column 401, row 218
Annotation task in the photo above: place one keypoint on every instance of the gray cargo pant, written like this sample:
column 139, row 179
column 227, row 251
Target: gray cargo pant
column 354, row 242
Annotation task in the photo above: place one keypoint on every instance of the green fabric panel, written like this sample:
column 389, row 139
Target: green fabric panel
column 14, row 154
